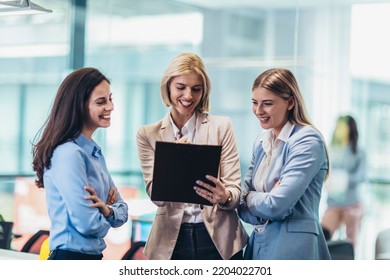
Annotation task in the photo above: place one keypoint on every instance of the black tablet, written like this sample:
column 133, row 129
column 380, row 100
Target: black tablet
column 178, row 166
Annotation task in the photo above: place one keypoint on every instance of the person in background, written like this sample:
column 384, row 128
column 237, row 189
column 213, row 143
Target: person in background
column 348, row 172
column 82, row 200
column 282, row 188
column 190, row 231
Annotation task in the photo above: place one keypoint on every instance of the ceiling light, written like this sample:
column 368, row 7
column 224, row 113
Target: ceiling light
column 21, row 7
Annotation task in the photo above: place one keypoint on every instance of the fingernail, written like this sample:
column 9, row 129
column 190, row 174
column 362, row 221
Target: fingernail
column 198, row 182
column 208, row 176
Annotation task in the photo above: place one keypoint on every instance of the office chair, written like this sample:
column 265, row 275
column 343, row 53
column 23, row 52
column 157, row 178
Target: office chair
column 44, row 252
column 33, row 245
column 382, row 245
column 326, row 233
column 135, row 252
column 5, row 234
column 341, row 250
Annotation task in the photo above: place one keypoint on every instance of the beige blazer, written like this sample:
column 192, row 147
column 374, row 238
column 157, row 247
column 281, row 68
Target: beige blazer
column 222, row 223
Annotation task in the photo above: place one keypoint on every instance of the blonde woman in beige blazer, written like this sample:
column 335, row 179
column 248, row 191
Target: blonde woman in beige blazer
column 183, row 230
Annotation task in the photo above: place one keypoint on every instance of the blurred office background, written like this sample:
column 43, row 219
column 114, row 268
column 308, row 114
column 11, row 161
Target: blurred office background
column 338, row 49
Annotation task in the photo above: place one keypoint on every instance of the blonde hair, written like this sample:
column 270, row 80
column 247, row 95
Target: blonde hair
column 182, row 64
column 282, row 83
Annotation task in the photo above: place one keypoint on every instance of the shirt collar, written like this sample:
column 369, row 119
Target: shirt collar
column 286, row 131
column 188, row 128
column 283, row 136
column 88, row 145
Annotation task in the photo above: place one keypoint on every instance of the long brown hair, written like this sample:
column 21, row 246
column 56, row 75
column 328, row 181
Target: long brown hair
column 66, row 118
column 353, row 135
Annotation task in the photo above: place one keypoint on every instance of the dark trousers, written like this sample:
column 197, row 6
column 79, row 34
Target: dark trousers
column 59, row 254
column 194, row 243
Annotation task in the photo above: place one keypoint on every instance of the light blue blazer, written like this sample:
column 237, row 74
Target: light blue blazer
column 294, row 230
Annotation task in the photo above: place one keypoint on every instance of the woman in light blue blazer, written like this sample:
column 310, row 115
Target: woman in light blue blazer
column 283, row 185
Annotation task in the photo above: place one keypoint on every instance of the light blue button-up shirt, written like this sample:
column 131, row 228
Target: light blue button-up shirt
column 76, row 226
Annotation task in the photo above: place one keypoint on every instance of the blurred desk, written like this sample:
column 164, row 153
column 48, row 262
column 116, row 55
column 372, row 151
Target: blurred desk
column 141, row 215
column 140, row 227
column 16, row 255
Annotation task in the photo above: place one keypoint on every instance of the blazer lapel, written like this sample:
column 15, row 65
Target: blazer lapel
column 202, row 129
column 166, row 130
column 274, row 162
